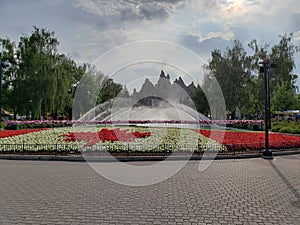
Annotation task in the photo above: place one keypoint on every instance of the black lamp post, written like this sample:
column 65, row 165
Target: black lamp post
column 3, row 65
column 265, row 65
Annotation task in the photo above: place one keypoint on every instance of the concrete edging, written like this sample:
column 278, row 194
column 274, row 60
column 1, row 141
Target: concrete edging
column 80, row 158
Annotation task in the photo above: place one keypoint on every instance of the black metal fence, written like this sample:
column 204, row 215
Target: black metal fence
column 231, row 149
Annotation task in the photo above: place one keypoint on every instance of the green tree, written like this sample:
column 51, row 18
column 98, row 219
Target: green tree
column 283, row 54
column 42, row 81
column 284, row 99
column 68, row 74
column 231, row 69
column 200, row 101
column 7, row 54
column 109, row 90
column 238, row 74
column 94, row 88
column 281, row 78
column 35, row 81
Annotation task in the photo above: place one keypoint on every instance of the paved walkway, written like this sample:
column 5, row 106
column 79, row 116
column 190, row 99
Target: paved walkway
column 244, row 191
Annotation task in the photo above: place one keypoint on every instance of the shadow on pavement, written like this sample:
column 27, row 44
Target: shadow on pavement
column 289, row 185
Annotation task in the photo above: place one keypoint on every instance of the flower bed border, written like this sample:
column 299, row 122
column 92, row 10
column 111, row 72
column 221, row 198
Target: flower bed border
column 11, row 124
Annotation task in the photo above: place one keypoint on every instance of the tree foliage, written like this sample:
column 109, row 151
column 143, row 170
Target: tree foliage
column 41, row 81
column 237, row 73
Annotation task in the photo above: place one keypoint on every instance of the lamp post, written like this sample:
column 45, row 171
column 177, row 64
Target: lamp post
column 3, row 65
column 265, row 65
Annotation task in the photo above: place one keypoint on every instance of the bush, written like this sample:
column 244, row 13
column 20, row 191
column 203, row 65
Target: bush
column 276, row 128
column 296, row 131
column 2, row 125
column 286, row 130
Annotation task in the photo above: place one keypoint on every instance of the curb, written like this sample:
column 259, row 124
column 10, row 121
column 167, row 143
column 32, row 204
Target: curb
column 80, row 158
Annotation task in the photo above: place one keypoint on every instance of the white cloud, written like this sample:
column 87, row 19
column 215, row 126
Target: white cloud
column 244, row 12
column 296, row 36
column 88, row 28
column 227, row 35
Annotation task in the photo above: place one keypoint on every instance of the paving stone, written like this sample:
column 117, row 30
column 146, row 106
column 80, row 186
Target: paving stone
column 244, row 191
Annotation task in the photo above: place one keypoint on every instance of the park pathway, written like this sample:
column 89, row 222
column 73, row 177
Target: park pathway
column 244, row 191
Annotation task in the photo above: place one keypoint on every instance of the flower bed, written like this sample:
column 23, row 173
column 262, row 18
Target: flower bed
column 105, row 134
column 138, row 139
column 132, row 139
column 251, row 140
column 11, row 133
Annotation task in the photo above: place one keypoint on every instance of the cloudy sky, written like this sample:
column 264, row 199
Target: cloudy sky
column 87, row 29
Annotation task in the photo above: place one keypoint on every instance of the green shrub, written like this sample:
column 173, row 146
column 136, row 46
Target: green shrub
column 276, row 128
column 286, row 130
column 2, row 125
column 296, row 131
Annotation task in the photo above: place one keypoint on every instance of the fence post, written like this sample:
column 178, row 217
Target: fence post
column 259, row 147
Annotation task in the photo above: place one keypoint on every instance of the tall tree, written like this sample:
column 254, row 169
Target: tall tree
column 35, row 85
column 281, row 78
column 284, row 99
column 200, row 101
column 231, row 69
column 42, row 81
column 7, row 54
column 283, row 54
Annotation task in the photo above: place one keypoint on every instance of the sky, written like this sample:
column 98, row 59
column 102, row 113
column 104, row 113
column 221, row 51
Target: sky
column 133, row 39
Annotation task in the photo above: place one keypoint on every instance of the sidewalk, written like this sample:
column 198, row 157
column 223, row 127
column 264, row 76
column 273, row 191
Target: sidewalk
column 235, row 191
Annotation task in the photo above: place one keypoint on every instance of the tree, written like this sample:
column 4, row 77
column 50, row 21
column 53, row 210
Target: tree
column 94, row 88
column 284, row 99
column 41, row 81
column 8, row 54
column 231, row 69
column 282, row 78
column 200, row 101
column 35, row 82
column 283, row 54
column 109, row 90
column 238, row 74
column 68, row 76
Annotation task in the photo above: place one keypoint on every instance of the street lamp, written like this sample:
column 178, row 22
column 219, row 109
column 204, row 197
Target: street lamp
column 3, row 65
column 265, row 65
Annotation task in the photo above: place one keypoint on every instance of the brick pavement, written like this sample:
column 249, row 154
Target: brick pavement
column 244, row 191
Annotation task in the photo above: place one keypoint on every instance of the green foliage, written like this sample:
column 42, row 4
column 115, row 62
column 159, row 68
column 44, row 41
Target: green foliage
column 238, row 75
column 284, row 99
column 286, row 130
column 286, row 127
column 296, row 131
column 200, row 100
column 2, row 126
column 41, row 80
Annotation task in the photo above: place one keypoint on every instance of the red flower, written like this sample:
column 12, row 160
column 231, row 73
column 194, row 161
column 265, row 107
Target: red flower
column 10, row 133
column 105, row 134
column 251, row 140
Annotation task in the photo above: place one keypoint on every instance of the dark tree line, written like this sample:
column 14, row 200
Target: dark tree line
column 237, row 72
column 42, row 81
